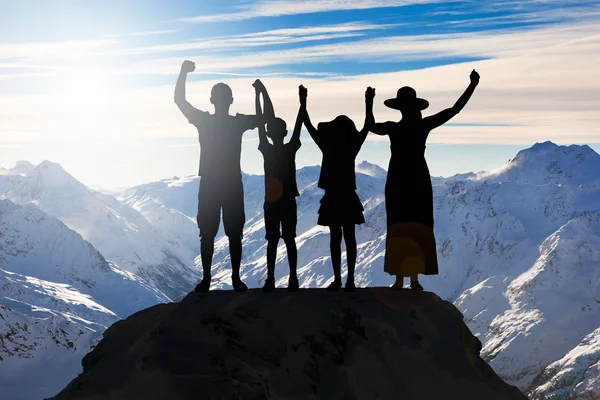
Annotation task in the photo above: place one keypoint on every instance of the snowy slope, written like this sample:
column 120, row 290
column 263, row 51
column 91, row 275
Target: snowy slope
column 40, row 351
column 57, row 295
column 575, row 376
column 122, row 234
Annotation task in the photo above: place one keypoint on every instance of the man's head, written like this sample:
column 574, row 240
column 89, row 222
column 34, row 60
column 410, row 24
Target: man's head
column 277, row 129
column 221, row 97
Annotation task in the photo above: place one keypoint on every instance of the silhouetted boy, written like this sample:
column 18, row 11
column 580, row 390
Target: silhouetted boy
column 280, row 186
column 220, row 137
column 341, row 209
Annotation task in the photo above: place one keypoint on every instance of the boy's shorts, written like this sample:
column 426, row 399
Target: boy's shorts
column 281, row 213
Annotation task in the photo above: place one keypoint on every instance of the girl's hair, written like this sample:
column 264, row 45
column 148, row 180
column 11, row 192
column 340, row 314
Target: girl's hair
column 341, row 126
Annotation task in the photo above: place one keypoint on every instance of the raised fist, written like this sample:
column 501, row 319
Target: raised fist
column 187, row 67
column 474, row 77
column 370, row 93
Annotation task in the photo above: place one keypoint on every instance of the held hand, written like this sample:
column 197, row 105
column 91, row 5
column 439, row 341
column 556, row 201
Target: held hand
column 258, row 85
column 303, row 94
column 370, row 94
column 474, row 77
column 187, row 67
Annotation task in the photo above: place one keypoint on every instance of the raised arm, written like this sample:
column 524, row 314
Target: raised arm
column 269, row 111
column 369, row 118
column 262, row 133
column 186, row 108
column 295, row 140
column 446, row 115
column 314, row 133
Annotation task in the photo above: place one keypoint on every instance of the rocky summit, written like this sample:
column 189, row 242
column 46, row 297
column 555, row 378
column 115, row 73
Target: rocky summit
column 376, row 343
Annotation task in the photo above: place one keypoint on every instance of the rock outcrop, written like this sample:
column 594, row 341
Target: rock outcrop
column 376, row 343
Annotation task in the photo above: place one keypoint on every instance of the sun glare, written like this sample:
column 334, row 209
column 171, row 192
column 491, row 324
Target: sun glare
column 87, row 98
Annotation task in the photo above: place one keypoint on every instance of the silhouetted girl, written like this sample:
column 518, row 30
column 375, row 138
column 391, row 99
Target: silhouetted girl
column 341, row 209
column 410, row 244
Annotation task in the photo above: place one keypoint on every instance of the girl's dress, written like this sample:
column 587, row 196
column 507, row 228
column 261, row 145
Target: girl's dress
column 340, row 143
column 410, row 243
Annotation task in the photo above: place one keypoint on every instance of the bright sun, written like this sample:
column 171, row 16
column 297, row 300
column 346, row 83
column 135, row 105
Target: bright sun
column 88, row 97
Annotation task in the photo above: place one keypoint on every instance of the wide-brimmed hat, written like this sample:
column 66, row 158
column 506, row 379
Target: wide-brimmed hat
column 406, row 97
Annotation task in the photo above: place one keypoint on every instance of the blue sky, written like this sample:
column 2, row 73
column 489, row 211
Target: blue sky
column 89, row 84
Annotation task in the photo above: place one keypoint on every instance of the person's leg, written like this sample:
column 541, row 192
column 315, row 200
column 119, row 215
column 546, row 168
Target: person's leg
column 272, row 235
column 207, row 245
column 292, row 252
column 399, row 282
column 350, row 239
column 335, row 233
column 234, row 219
column 208, row 219
column 272, row 244
column 414, row 282
column 235, row 251
column 288, row 226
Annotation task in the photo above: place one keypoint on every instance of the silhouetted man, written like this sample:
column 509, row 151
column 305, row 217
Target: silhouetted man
column 220, row 137
column 280, row 186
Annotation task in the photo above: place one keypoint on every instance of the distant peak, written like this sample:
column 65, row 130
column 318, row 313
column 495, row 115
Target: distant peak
column 547, row 145
column 22, row 167
column 366, row 164
column 548, row 162
column 373, row 170
column 49, row 164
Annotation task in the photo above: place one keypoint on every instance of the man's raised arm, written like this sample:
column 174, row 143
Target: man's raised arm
column 186, row 108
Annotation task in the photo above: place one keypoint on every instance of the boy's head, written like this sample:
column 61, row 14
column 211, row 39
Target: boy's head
column 277, row 129
column 221, row 97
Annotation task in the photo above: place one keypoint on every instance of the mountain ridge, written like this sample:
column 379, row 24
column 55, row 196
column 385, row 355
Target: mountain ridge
column 509, row 241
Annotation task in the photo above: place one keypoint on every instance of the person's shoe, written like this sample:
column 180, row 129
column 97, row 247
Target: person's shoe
column 399, row 284
column 239, row 286
column 334, row 286
column 416, row 286
column 203, row 286
column 293, row 285
column 269, row 285
column 350, row 287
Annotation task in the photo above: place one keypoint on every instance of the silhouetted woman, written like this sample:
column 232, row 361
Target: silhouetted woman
column 410, row 244
column 341, row 209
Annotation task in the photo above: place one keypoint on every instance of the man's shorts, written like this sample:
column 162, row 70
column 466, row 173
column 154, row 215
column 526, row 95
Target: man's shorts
column 217, row 194
column 281, row 213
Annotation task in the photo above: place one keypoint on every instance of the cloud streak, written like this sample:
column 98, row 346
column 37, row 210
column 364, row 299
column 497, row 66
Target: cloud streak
column 266, row 38
column 277, row 8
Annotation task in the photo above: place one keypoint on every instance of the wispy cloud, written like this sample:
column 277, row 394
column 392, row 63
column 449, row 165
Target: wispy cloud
column 276, row 8
column 154, row 33
column 504, row 45
column 51, row 50
column 267, row 38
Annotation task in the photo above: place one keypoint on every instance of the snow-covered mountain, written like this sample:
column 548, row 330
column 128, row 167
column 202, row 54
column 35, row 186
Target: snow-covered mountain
column 57, row 295
column 122, row 234
column 519, row 250
column 366, row 168
column 575, row 376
